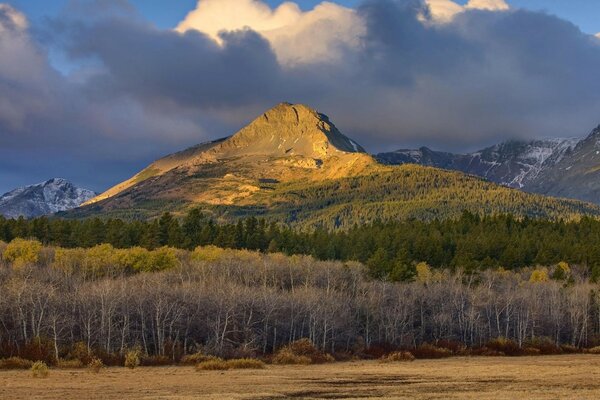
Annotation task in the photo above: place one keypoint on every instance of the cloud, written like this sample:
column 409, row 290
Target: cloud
column 318, row 35
column 388, row 73
column 445, row 10
column 490, row 5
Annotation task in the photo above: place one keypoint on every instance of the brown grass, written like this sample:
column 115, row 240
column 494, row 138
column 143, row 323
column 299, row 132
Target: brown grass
column 217, row 364
column 505, row 378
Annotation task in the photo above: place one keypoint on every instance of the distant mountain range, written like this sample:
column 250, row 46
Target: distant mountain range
column 44, row 198
column 291, row 164
column 557, row 167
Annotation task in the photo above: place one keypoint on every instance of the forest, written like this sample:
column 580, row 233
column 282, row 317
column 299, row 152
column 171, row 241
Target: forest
column 57, row 303
column 390, row 250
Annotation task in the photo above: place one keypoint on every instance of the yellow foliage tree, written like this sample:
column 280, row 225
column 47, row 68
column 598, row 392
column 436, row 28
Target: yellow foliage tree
column 424, row 273
column 21, row 252
column 539, row 275
column 207, row 253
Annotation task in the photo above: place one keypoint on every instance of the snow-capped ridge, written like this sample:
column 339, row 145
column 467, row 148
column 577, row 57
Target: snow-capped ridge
column 44, row 198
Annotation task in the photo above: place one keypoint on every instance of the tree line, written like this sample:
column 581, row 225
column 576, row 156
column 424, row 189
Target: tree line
column 242, row 303
column 391, row 250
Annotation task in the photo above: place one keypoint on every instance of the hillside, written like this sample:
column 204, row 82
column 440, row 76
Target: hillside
column 292, row 164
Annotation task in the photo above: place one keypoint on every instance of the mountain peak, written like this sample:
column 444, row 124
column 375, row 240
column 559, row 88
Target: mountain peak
column 44, row 198
column 290, row 130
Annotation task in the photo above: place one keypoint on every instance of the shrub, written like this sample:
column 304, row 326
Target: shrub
column 39, row 369
column 546, row 346
column 96, row 365
column 15, row 363
column 69, row 364
column 301, row 351
column 570, row 349
column 430, row 351
column 531, row 351
column 486, row 352
column 150, row 361
column 132, row 359
column 193, row 359
column 80, row 352
column 217, row 364
column 21, row 252
column 286, row 356
column 245, row 363
column 398, row 356
column 506, row 346
column 594, row 350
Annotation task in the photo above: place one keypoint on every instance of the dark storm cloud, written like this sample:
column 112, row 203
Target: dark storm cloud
column 484, row 77
column 190, row 69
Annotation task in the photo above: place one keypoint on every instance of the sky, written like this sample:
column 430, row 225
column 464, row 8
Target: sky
column 94, row 90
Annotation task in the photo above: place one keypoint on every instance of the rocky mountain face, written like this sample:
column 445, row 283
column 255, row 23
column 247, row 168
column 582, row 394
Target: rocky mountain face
column 291, row 164
column 517, row 164
column 288, row 142
column 44, row 198
column 576, row 174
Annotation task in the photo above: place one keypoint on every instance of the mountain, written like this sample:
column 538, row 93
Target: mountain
column 514, row 163
column 292, row 164
column 567, row 168
column 576, row 174
column 44, row 198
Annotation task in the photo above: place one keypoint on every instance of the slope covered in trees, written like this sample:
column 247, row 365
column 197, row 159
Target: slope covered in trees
column 391, row 250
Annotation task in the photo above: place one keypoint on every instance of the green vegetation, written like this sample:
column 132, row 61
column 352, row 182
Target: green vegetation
column 387, row 194
column 397, row 251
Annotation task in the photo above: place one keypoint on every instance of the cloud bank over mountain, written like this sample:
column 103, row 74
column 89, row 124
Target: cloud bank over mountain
column 389, row 72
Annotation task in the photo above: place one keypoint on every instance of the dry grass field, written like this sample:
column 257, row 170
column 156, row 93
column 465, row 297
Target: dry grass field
column 551, row 377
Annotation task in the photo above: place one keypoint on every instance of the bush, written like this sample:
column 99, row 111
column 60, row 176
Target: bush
column 193, row 359
column 245, row 363
column 398, row 356
column 506, row 346
column 430, row 351
column 69, row 364
column 570, row 349
column 21, row 252
column 132, row 359
column 286, row 356
column 531, row 351
column 153, row 361
column 80, row 352
column 546, row 346
column 15, row 363
column 486, row 352
column 594, row 350
column 39, row 369
column 96, row 365
column 301, row 351
column 217, row 364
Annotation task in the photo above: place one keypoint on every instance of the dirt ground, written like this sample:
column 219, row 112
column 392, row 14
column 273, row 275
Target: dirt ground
column 555, row 377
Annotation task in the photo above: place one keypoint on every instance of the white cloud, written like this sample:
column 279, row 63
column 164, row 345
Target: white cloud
column 318, row 35
column 490, row 5
column 443, row 11
column 598, row 35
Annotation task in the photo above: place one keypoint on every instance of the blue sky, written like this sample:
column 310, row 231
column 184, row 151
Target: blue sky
column 167, row 13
